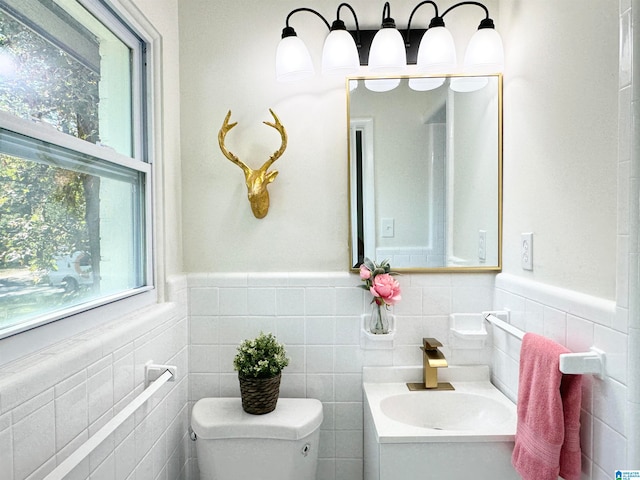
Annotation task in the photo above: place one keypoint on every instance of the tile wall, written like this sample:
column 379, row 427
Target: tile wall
column 52, row 401
column 629, row 211
column 317, row 317
column 578, row 322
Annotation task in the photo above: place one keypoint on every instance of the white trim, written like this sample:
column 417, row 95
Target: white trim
column 596, row 309
column 137, row 21
column 28, row 342
column 36, row 339
column 99, row 10
column 48, row 133
column 366, row 126
column 67, row 312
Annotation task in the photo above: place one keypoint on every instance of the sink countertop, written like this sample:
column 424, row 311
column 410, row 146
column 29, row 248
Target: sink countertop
column 385, row 382
column 454, row 373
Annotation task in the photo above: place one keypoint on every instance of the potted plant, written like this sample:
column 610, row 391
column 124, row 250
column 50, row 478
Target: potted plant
column 259, row 363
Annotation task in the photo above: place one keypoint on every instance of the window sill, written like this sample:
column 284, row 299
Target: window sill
column 29, row 338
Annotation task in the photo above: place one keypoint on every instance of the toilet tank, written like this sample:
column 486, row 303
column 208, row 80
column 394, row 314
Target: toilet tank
column 232, row 444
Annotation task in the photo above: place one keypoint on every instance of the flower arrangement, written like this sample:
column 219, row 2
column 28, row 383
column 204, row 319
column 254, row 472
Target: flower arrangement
column 379, row 281
column 385, row 289
column 261, row 357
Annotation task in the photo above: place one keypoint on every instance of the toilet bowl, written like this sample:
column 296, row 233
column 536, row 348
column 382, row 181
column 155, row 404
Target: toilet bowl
column 232, row 444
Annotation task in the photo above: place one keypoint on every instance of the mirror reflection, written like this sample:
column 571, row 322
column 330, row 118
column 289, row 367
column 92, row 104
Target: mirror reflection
column 425, row 171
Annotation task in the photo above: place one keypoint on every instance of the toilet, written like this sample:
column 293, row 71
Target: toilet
column 232, row 444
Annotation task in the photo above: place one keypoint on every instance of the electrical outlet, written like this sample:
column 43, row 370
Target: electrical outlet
column 526, row 251
column 482, row 245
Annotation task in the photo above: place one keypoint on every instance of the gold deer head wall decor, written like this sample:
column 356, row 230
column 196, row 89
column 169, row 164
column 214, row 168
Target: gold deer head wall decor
column 256, row 180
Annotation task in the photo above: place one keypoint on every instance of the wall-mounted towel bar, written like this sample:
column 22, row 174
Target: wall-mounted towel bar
column 73, row 460
column 587, row 362
column 492, row 318
column 591, row 362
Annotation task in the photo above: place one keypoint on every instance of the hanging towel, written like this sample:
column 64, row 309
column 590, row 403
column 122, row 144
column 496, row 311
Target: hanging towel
column 548, row 434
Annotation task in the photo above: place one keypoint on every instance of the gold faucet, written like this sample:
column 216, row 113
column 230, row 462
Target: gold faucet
column 432, row 360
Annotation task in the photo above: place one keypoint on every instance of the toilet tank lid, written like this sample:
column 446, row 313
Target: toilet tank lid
column 293, row 418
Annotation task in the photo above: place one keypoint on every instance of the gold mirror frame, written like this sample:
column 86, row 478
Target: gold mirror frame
column 356, row 221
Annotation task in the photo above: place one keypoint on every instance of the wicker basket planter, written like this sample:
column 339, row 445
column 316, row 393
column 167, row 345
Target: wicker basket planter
column 259, row 395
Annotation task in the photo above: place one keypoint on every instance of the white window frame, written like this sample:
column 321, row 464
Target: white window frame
column 25, row 338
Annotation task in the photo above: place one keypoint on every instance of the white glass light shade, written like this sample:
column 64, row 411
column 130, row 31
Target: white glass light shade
column 485, row 53
column 468, row 84
column 424, row 84
column 381, row 84
column 293, row 61
column 387, row 53
column 340, row 54
column 437, row 52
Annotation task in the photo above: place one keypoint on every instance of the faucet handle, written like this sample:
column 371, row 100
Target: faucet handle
column 431, row 343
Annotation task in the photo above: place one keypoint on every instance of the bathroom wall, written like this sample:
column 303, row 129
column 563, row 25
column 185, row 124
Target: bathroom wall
column 561, row 141
column 162, row 15
column 564, row 298
column 577, row 321
column 53, row 401
column 317, row 316
column 567, row 179
column 629, row 213
column 58, row 387
column 232, row 67
column 551, row 158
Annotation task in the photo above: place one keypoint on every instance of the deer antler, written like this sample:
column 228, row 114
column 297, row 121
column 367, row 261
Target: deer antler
column 222, row 134
column 256, row 180
column 283, row 135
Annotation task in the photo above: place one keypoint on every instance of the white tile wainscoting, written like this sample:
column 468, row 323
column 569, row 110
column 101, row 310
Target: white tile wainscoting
column 317, row 317
column 53, row 400
column 577, row 321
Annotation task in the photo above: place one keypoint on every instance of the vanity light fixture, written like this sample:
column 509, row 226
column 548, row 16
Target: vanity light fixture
column 387, row 51
column 387, row 54
column 340, row 51
column 293, row 61
column 339, row 54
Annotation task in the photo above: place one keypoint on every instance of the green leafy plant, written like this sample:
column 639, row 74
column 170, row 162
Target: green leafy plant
column 261, row 357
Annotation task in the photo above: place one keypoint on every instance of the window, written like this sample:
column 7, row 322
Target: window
column 74, row 175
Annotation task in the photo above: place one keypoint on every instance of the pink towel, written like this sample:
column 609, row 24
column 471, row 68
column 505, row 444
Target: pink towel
column 548, row 434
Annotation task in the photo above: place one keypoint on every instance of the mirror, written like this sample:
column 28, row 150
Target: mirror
column 425, row 168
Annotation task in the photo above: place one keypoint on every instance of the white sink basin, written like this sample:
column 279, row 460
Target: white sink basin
column 447, row 410
column 465, row 433
column 475, row 411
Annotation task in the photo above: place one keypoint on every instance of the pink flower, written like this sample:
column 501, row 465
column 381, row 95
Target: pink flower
column 365, row 273
column 385, row 287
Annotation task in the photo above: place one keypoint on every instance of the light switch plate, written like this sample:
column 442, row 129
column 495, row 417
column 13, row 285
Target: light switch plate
column 388, row 230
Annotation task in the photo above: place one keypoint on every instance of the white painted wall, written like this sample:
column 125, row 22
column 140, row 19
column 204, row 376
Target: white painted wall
column 227, row 55
column 560, row 169
column 560, row 150
column 560, row 140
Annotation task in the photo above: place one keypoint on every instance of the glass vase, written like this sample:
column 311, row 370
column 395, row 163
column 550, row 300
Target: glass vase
column 379, row 322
